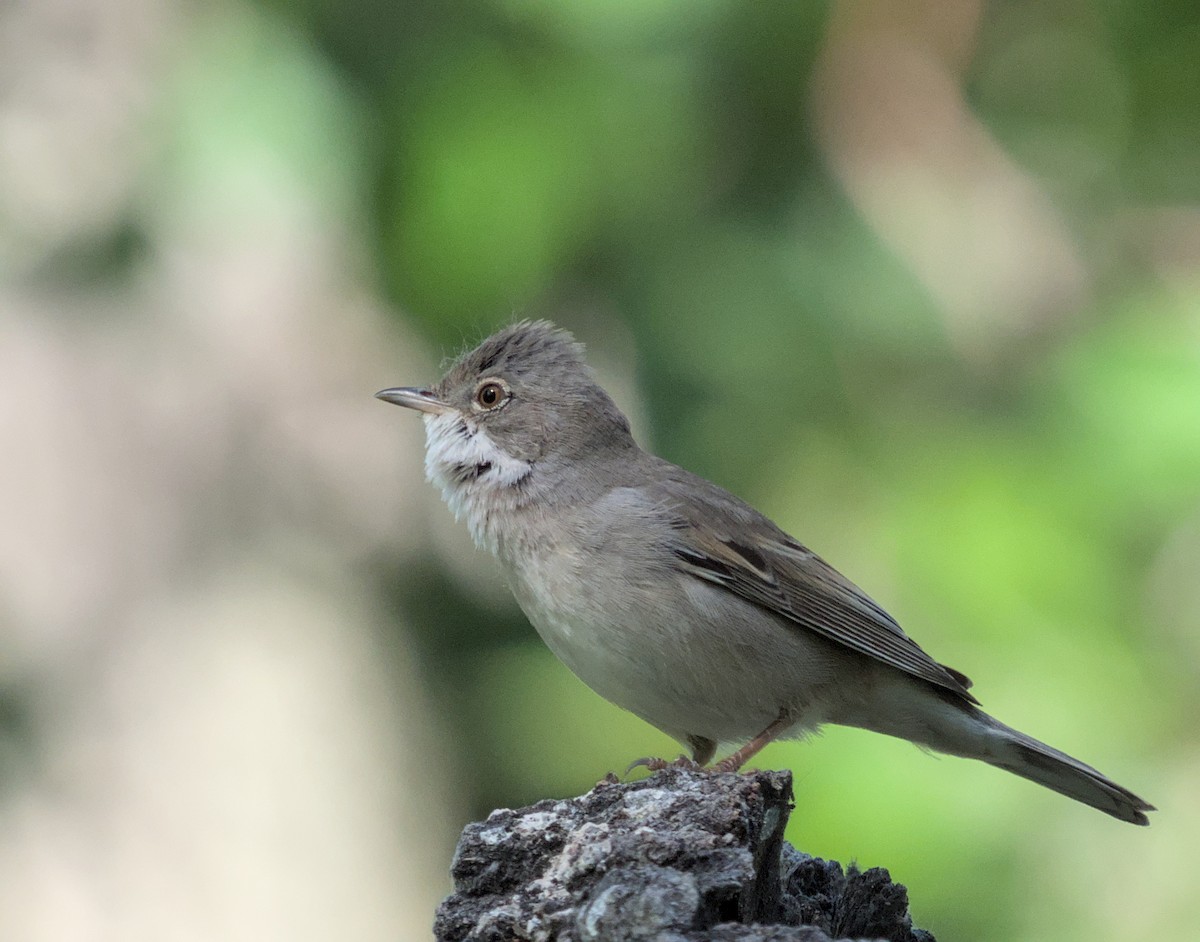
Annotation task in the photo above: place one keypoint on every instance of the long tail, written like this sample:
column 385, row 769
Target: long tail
column 947, row 723
column 1025, row 756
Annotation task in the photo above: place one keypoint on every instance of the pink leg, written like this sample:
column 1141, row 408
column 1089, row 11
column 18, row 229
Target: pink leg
column 735, row 761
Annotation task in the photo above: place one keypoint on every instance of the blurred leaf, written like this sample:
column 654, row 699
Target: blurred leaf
column 603, row 24
column 491, row 188
column 1129, row 394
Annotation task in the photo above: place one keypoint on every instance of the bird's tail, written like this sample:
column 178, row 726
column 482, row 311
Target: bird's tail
column 1023, row 755
column 947, row 723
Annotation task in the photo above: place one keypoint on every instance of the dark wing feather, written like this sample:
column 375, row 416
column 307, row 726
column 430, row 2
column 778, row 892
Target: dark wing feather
column 733, row 546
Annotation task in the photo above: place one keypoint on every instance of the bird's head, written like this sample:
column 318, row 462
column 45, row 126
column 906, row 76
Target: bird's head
column 521, row 409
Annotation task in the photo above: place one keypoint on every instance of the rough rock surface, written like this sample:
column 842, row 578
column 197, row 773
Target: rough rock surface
column 679, row 857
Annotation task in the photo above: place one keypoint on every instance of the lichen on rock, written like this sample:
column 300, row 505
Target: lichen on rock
column 680, row 856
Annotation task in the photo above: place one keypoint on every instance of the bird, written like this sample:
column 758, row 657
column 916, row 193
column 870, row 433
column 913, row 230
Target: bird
column 676, row 600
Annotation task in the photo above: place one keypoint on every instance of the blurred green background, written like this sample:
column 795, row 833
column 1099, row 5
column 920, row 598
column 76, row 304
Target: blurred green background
column 921, row 281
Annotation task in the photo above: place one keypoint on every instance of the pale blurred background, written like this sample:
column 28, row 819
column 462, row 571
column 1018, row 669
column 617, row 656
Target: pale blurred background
column 920, row 280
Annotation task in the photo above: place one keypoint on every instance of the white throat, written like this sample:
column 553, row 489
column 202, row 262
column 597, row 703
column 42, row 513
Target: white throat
column 476, row 477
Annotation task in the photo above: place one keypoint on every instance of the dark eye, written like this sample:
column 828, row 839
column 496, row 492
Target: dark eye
column 490, row 395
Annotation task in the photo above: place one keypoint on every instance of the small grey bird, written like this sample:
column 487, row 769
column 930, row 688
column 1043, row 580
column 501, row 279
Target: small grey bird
column 676, row 600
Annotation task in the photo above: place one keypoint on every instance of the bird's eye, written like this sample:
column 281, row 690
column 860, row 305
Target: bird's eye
column 490, row 395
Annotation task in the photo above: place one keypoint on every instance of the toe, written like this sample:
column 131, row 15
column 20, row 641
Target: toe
column 651, row 763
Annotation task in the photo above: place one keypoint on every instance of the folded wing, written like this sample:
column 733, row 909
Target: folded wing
column 733, row 546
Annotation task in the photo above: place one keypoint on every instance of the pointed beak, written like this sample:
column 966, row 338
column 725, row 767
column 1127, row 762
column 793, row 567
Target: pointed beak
column 413, row 398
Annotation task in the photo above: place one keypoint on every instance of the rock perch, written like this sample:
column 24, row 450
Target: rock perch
column 677, row 857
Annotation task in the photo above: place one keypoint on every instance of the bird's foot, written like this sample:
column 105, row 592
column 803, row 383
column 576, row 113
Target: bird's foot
column 657, row 765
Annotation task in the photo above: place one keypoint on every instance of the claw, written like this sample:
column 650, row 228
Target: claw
column 653, row 764
column 657, row 765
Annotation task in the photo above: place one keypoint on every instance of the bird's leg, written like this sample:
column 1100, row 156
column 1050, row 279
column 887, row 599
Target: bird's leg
column 735, row 761
column 702, row 749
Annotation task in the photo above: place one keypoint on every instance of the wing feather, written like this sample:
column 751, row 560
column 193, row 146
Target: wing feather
column 738, row 549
